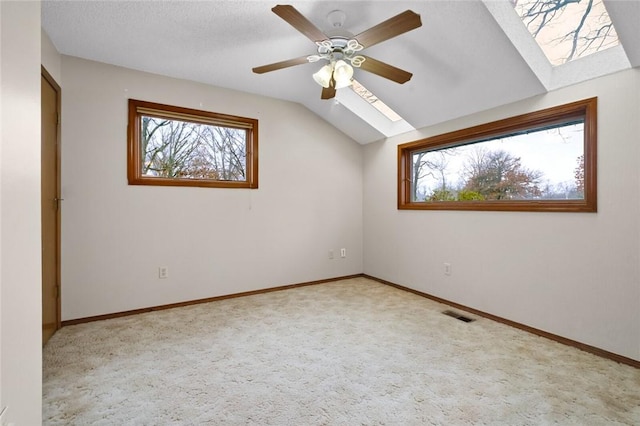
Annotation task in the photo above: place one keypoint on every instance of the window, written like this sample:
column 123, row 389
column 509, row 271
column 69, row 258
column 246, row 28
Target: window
column 541, row 161
column 176, row 146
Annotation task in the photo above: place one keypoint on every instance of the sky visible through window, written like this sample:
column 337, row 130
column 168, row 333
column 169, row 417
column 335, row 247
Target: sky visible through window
column 567, row 29
column 553, row 155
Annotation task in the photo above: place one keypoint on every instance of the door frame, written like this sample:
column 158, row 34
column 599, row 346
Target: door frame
column 58, row 91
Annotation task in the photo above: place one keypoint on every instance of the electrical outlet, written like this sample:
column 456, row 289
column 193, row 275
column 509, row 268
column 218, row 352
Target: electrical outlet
column 163, row 272
column 447, row 268
column 330, row 254
column 343, row 252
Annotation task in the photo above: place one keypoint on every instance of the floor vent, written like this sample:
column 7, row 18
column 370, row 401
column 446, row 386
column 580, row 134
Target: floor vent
column 458, row 316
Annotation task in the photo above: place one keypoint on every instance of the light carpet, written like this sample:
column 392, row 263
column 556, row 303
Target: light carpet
column 351, row 352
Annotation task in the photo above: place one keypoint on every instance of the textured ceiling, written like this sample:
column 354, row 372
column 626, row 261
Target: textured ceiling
column 463, row 57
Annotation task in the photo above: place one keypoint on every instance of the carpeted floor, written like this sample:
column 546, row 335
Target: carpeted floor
column 352, row 352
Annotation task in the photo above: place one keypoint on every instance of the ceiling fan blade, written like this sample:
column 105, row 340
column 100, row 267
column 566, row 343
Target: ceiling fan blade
column 280, row 65
column 392, row 27
column 299, row 22
column 385, row 70
column 328, row 92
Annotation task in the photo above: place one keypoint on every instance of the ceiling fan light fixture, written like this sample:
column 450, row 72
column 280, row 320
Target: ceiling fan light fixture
column 323, row 76
column 342, row 74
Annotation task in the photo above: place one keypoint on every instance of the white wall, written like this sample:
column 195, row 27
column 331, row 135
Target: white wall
column 214, row 241
column 20, row 270
column 576, row 275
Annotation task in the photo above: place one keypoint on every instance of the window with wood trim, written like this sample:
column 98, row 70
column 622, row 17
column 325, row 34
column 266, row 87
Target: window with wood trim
column 541, row 161
column 174, row 146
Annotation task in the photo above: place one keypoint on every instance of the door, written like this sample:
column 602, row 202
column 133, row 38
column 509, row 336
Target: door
column 50, row 204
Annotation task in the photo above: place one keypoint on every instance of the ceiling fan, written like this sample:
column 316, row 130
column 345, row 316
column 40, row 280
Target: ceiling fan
column 343, row 52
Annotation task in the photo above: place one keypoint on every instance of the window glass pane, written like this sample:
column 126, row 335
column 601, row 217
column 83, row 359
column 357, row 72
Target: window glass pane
column 187, row 150
column 543, row 164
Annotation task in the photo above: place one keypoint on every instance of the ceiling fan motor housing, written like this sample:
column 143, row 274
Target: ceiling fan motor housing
column 339, row 48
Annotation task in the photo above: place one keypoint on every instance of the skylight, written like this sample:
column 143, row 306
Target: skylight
column 567, row 29
column 373, row 100
column 360, row 101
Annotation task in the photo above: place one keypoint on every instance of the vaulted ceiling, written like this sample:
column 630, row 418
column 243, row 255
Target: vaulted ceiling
column 467, row 56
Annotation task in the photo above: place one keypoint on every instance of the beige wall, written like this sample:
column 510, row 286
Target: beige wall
column 214, row 241
column 576, row 275
column 20, row 272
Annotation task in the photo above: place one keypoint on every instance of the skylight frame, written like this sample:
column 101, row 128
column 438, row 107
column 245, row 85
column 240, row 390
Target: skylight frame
column 567, row 31
column 586, row 68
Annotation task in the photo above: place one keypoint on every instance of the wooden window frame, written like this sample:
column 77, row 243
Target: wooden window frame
column 138, row 108
column 585, row 109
